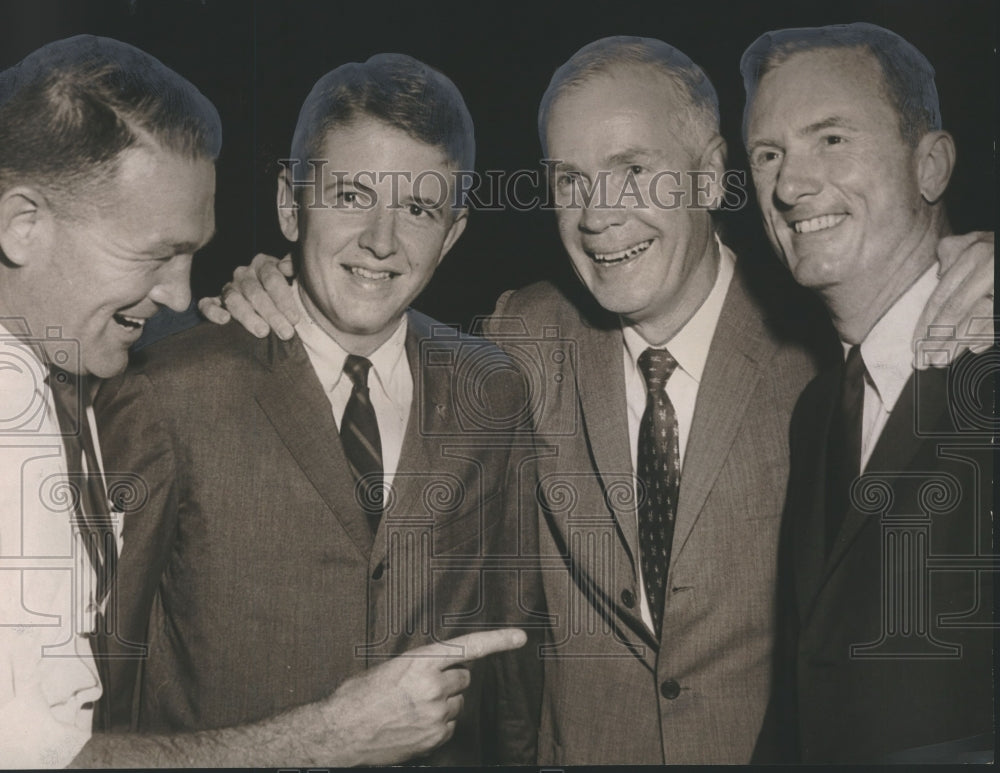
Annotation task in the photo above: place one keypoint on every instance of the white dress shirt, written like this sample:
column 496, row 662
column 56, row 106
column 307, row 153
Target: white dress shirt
column 48, row 679
column 888, row 355
column 689, row 347
column 390, row 382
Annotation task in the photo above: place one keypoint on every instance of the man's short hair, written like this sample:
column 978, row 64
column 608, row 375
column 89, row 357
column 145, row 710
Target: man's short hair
column 908, row 76
column 395, row 89
column 698, row 113
column 70, row 109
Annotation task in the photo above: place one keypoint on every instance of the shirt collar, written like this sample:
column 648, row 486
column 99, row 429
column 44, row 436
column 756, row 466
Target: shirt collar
column 691, row 343
column 888, row 349
column 327, row 356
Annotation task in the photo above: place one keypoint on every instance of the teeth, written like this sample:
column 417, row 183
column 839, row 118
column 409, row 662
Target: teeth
column 615, row 257
column 365, row 273
column 820, row 223
column 127, row 321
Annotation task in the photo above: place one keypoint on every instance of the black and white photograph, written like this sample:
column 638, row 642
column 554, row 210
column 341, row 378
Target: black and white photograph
column 534, row 385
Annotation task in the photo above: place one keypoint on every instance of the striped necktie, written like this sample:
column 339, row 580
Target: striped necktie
column 362, row 444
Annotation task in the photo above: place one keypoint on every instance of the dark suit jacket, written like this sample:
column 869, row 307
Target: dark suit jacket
column 253, row 563
column 888, row 639
column 613, row 694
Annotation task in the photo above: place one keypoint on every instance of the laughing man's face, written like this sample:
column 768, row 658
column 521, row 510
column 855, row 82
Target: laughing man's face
column 643, row 246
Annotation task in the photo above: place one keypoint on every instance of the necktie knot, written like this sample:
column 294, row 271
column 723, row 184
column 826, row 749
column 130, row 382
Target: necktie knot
column 854, row 366
column 67, row 394
column 357, row 369
column 657, row 366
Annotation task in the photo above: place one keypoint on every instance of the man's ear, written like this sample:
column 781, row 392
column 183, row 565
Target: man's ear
column 713, row 164
column 935, row 161
column 456, row 230
column 25, row 217
column 288, row 208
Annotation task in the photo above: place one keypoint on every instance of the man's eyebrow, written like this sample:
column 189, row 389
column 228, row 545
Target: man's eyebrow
column 179, row 248
column 424, row 202
column 631, row 154
column 759, row 143
column 339, row 180
column 832, row 122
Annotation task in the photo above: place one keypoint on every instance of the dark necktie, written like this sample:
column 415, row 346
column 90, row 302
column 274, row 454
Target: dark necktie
column 844, row 450
column 86, row 482
column 360, row 438
column 660, row 474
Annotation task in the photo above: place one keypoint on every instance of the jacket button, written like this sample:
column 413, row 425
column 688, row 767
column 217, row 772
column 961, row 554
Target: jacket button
column 628, row 598
column 377, row 574
column 670, row 689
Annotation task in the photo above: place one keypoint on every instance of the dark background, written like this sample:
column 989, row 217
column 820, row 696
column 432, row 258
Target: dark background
column 257, row 61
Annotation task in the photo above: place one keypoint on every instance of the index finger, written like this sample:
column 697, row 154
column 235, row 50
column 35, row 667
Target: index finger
column 473, row 646
column 273, row 276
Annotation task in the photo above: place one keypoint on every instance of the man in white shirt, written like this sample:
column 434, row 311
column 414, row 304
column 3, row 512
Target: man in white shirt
column 92, row 247
column 888, row 625
column 330, row 511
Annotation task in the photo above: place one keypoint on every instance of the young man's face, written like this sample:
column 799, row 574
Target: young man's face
column 372, row 245
column 100, row 275
column 836, row 182
column 640, row 256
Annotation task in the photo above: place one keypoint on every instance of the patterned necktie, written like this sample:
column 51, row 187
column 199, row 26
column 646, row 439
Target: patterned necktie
column 660, row 474
column 85, row 479
column 844, row 450
column 360, row 438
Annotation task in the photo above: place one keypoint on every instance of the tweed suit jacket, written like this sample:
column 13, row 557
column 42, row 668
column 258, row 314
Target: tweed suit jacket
column 249, row 573
column 613, row 693
column 887, row 634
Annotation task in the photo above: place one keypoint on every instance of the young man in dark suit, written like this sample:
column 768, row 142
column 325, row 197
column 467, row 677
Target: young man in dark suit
column 327, row 515
column 887, row 624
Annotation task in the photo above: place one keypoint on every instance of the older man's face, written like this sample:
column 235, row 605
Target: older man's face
column 644, row 241
column 836, row 183
column 111, row 267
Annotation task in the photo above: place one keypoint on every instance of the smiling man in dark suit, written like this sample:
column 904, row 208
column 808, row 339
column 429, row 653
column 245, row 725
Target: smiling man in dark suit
column 321, row 511
column 888, row 622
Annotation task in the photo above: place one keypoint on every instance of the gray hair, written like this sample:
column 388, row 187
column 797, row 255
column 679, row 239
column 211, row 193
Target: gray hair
column 698, row 114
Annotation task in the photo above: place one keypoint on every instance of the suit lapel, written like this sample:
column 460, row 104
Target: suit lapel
column 600, row 380
column 898, row 444
column 290, row 395
column 430, row 398
column 739, row 348
column 809, row 517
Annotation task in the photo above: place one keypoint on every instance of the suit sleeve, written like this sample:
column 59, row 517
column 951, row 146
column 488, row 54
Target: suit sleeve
column 139, row 459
